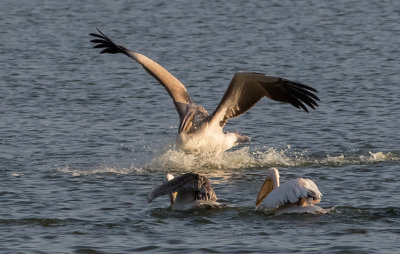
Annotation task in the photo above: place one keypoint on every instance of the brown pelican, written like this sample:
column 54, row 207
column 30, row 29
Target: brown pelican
column 187, row 191
column 197, row 129
column 294, row 196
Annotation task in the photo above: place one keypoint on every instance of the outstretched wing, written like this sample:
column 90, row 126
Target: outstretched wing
column 175, row 88
column 247, row 88
column 291, row 192
column 187, row 182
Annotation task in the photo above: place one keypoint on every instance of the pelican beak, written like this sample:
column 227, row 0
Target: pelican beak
column 172, row 197
column 187, row 118
column 265, row 189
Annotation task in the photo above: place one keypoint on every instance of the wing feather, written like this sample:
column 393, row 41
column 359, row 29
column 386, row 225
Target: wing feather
column 291, row 192
column 174, row 87
column 189, row 182
column 247, row 88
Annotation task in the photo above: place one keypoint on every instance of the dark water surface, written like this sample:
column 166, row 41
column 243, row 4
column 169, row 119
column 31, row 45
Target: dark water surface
column 84, row 137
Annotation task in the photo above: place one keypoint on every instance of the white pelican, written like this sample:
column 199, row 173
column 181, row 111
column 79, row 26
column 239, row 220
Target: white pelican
column 187, row 191
column 294, row 196
column 199, row 131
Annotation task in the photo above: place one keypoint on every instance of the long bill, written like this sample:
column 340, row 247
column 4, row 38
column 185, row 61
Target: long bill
column 172, row 197
column 265, row 189
column 186, row 119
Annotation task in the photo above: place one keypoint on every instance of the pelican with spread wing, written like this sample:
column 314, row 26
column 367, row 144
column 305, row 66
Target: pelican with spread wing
column 199, row 131
column 187, row 191
column 294, row 196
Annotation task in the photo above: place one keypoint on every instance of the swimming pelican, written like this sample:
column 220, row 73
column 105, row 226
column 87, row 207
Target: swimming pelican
column 199, row 131
column 294, row 196
column 187, row 191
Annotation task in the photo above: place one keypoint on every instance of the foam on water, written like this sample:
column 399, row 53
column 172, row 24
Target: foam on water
column 100, row 170
column 267, row 157
column 343, row 160
column 243, row 158
column 237, row 159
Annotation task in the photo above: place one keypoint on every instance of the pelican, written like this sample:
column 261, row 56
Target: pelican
column 199, row 131
column 294, row 196
column 187, row 191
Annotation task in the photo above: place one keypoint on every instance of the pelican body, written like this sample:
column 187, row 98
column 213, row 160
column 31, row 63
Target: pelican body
column 199, row 130
column 294, row 196
column 187, row 191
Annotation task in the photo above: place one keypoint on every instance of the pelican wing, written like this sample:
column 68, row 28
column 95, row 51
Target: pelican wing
column 291, row 192
column 187, row 182
column 175, row 88
column 247, row 88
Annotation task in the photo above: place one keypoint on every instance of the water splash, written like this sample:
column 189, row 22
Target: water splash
column 379, row 156
column 268, row 157
column 238, row 159
column 175, row 160
column 100, row 171
column 343, row 160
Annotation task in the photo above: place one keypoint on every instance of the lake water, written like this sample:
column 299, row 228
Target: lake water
column 84, row 137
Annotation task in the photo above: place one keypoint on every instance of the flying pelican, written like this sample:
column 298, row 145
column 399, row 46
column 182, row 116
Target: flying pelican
column 294, row 196
column 187, row 191
column 199, row 131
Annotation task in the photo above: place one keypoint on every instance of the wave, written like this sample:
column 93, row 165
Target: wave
column 45, row 222
column 249, row 212
column 241, row 212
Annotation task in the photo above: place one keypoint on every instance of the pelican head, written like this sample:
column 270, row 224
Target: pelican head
column 192, row 119
column 271, row 182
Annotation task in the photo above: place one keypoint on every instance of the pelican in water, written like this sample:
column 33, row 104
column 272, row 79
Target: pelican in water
column 294, row 196
column 199, row 131
column 187, row 191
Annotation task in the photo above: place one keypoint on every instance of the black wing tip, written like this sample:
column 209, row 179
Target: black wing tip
column 106, row 43
column 305, row 109
column 303, row 94
column 299, row 84
column 101, row 35
column 299, row 105
column 298, row 94
column 311, row 103
column 105, row 36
